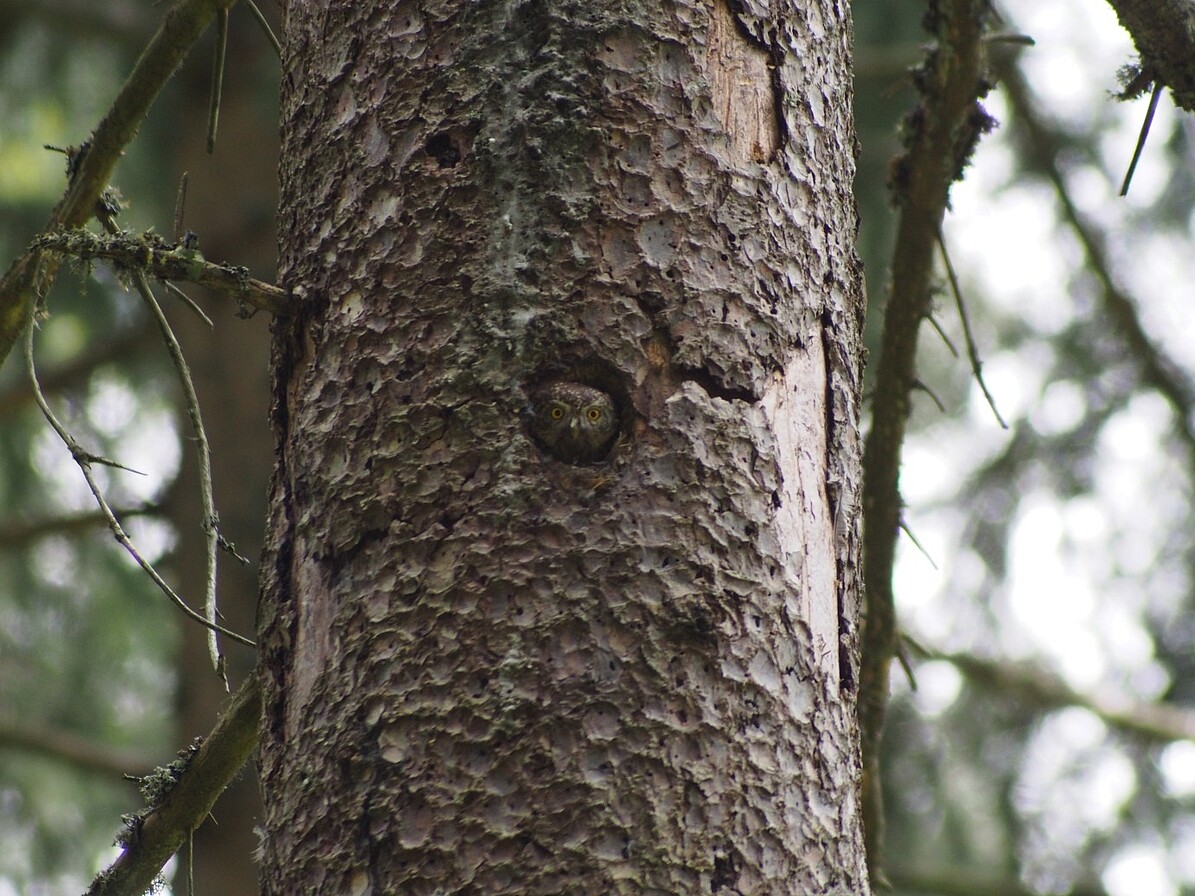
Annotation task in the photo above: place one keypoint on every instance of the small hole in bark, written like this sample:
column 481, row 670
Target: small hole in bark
column 443, row 149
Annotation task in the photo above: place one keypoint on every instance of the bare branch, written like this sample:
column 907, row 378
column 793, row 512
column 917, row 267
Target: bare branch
column 69, row 747
column 1146, row 123
column 189, row 302
column 160, row 832
column 1037, row 685
column 213, row 112
column 265, row 27
column 167, row 261
column 17, row 533
column 940, row 135
column 30, row 276
column 119, row 347
column 968, row 338
column 84, row 459
column 933, row 322
column 207, row 497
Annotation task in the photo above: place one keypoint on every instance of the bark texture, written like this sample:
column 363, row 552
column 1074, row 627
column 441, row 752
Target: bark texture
column 489, row 671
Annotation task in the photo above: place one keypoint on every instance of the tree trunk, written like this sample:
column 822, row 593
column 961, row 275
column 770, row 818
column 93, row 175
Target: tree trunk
column 502, row 657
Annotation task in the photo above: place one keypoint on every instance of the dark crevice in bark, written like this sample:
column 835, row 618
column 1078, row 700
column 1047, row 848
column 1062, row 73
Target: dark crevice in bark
column 846, row 673
column 579, row 366
column 276, row 618
column 776, row 54
column 444, row 149
column 693, row 623
column 651, row 304
column 741, row 16
column 715, row 386
column 273, row 653
column 449, row 520
column 836, row 492
column 726, row 871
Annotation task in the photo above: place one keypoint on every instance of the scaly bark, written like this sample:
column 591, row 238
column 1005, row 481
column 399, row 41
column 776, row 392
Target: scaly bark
column 490, row 671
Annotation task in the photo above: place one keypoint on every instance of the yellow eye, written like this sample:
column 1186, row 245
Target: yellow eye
column 556, row 413
column 594, row 414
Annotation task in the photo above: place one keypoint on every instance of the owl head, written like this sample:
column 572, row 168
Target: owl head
column 573, row 422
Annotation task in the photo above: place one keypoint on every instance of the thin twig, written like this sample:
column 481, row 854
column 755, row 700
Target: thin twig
column 190, row 303
column 933, row 322
column 84, row 460
column 904, row 527
column 265, row 26
column 1145, row 126
column 190, row 863
column 968, row 339
column 902, row 657
column 191, row 399
column 180, row 206
column 920, row 386
column 213, row 112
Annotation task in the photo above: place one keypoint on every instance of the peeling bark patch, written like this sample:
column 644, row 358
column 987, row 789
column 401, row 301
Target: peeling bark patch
column 742, row 88
column 798, row 421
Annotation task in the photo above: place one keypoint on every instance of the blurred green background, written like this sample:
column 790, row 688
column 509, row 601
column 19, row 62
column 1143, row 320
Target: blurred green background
column 1056, row 578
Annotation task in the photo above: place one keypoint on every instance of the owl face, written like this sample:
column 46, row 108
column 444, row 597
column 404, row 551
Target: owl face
column 574, row 423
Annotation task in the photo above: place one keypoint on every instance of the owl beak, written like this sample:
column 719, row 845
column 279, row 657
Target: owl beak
column 574, row 425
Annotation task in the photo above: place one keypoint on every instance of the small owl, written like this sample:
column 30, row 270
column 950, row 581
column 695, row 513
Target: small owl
column 574, row 423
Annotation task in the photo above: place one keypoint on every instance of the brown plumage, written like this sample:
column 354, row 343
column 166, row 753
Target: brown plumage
column 574, row 423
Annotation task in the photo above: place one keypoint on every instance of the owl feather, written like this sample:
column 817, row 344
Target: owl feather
column 573, row 422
